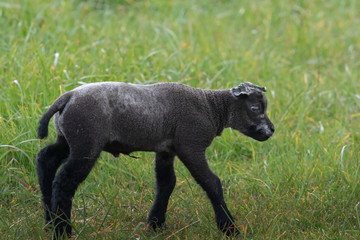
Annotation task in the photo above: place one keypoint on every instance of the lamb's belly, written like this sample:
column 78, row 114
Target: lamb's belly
column 118, row 146
column 164, row 146
column 149, row 146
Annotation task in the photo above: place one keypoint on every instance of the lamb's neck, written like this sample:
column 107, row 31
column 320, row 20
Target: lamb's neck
column 219, row 102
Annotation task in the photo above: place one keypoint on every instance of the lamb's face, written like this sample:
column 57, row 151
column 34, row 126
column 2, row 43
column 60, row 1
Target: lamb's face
column 250, row 118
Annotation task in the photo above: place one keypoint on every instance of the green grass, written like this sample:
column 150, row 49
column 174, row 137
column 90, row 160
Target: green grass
column 304, row 183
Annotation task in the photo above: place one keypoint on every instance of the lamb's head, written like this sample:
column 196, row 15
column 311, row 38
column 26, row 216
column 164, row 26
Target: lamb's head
column 248, row 112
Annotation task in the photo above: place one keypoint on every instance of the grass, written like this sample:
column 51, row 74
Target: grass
column 304, row 183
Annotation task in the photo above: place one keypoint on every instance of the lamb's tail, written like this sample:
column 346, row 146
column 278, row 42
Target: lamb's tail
column 57, row 106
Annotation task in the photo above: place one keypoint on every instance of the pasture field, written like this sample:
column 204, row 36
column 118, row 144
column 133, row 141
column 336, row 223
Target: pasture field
column 304, row 183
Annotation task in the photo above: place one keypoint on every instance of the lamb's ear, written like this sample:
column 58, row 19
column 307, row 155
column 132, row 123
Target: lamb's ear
column 237, row 92
column 249, row 85
column 263, row 89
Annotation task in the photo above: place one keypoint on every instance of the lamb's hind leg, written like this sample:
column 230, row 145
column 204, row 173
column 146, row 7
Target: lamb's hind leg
column 165, row 183
column 48, row 161
column 74, row 172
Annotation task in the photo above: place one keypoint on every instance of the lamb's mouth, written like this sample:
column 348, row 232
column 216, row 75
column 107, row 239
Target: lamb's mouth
column 259, row 133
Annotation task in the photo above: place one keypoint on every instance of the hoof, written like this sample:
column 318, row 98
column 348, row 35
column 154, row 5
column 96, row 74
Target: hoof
column 155, row 223
column 231, row 231
column 228, row 228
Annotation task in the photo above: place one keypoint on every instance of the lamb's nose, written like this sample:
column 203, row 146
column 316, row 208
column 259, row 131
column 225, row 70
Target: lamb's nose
column 272, row 128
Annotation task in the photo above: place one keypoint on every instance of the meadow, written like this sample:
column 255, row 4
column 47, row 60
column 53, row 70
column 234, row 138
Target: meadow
column 303, row 183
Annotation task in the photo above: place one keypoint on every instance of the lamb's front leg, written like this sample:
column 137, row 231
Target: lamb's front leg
column 165, row 183
column 196, row 162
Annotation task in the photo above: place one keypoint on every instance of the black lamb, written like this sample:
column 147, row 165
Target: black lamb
column 166, row 118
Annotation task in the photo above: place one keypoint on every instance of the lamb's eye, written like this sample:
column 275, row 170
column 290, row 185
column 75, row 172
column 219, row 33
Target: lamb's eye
column 255, row 108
